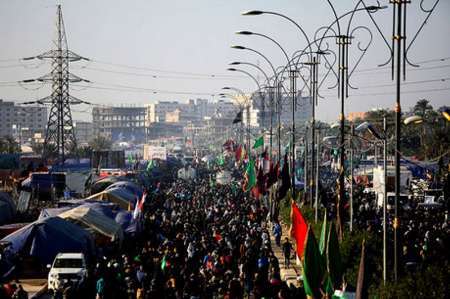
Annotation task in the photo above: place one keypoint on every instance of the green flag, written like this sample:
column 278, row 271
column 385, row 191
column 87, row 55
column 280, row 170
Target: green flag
column 334, row 263
column 150, row 165
column 323, row 235
column 250, row 176
column 220, row 160
column 130, row 158
column 258, row 142
column 163, row 263
column 313, row 267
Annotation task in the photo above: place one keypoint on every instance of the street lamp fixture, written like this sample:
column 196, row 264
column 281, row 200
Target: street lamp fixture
column 415, row 119
column 252, row 13
column 238, row 47
column 244, row 32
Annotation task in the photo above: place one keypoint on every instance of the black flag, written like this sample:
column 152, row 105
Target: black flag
column 238, row 118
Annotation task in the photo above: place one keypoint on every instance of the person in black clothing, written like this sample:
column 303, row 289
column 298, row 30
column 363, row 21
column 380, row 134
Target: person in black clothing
column 287, row 248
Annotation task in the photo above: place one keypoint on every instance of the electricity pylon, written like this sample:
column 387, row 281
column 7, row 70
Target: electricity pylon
column 60, row 135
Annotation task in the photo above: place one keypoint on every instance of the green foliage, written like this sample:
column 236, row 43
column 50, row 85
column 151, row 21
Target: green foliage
column 100, row 143
column 9, row 146
column 431, row 282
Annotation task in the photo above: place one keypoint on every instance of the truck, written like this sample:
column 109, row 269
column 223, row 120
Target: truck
column 67, row 267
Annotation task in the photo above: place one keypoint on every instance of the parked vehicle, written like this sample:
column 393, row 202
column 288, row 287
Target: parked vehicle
column 67, row 267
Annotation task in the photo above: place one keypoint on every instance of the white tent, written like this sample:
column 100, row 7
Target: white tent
column 94, row 221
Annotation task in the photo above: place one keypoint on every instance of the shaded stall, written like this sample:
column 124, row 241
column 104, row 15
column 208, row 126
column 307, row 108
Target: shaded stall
column 103, row 183
column 103, row 229
column 45, row 238
column 120, row 196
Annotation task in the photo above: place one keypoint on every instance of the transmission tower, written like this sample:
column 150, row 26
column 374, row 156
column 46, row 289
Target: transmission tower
column 60, row 136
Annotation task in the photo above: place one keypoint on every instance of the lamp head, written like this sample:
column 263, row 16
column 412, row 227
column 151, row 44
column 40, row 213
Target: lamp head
column 252, row 13
column 244, row 32
column 226, row 88
column 415, row 119
column 235, row 63
column 238, row 47
column 374, row 8
column 231, row 69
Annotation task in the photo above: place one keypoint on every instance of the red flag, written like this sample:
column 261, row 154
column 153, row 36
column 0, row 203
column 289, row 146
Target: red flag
column 238, row 153
column 228, row 145
column 299, row 228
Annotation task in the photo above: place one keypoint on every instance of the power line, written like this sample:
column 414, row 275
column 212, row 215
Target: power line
column 161, row 70
column 194, row 77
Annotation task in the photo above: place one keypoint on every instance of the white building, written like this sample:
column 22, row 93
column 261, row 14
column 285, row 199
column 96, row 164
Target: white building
column 22, row 120
column 261, row 108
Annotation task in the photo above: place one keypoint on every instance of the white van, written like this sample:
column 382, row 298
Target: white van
column 67, row 267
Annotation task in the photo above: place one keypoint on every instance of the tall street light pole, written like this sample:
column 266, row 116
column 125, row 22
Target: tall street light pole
column 292, row 76
column 275, row 84
column 270, row 89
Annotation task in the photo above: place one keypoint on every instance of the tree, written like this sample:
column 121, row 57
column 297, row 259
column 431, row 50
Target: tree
column 100, row 143
column 8, row 145
column 423, row 108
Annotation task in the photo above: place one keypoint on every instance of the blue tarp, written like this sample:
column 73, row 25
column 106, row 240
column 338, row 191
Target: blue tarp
column 45, row 238
column 7, row 208
column 129, row 186
column 112, row 211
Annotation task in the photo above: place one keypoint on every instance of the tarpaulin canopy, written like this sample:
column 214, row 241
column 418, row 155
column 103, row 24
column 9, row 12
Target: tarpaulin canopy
column 129, row 186
column 103, row 183
column 120, row 216
column 94, row 221
column 7, row 208
column 45, row 238
column 120, row 196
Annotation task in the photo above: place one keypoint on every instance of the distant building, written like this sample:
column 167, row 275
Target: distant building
column 22, row 122
column 352, row 116
column 192, row 111
column 84, row 131
column 120, row 123
column 261, row 109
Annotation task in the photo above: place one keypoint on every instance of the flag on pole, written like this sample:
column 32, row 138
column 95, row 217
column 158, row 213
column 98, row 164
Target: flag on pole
column 238, row 118
column 298, row 229
column 334, row 263
column 139, row 207
column 150, row 165
column 258, row 142
column 323, row 235
column 130, row 158
column 313, row 267
column 220, row 160
column 250, row 176
column 285, row 180
column 163, row 263
column 238, row 153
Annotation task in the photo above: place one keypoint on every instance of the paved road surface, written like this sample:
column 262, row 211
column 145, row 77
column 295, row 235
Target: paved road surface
column 288, row 275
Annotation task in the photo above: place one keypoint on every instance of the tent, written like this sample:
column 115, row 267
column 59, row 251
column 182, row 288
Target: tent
column 95, row 222
column 129, row 186
column 122, row 217
column 7, row 208
column 120, row 196
column 45, row 238
column 103, row 183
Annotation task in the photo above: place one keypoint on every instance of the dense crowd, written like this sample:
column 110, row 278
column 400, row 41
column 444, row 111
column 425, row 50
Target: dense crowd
column 198, row 242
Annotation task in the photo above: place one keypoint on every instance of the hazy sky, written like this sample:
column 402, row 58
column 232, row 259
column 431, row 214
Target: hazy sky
column 180, row 42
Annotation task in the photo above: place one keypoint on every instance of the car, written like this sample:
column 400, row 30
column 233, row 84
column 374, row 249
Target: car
column 67, row 267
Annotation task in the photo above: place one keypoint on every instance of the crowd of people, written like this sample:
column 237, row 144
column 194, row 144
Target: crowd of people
column 198, row 242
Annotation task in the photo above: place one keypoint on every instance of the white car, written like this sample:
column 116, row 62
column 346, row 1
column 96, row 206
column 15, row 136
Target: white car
column 67, row 267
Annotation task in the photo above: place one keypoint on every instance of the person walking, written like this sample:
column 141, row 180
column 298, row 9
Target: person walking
column 100, row 286
column 277, row 232
column 287, row 248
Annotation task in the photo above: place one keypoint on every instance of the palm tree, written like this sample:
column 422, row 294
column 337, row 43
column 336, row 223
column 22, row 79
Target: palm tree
column 100, row 143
